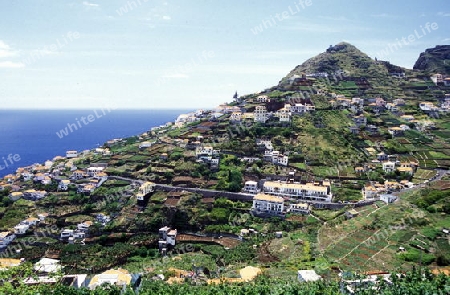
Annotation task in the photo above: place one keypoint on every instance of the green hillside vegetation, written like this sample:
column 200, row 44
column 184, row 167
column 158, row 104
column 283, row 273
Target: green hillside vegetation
column 408, row 236
column 434, row 60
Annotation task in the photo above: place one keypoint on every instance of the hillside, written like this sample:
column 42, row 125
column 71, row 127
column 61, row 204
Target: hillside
column 434, row 60
column 341, row 57
column 347, row 68
column 356, row 156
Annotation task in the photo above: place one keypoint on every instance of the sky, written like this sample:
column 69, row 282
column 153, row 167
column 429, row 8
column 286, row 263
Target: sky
column 147, row 54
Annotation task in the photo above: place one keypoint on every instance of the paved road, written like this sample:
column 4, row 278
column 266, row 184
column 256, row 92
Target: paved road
column 247, row 197
column 440, row 173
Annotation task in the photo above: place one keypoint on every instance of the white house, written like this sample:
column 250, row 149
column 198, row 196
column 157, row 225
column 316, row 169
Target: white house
column 301, row 208
column 284, row 114
column 263, row 98
column 276, row 157
column 251, row 187
column 309, row 191
column 369, row 192
column 266, row 143
column 427, row 106
column 263, row 203
column 27, row 176
column 93, row 171
column 78, row 174
column 63, row 185
column 21, row 229
column 145, row 144
column 388, row 166
column 103, row 219
column 71, row 154
column 144, row 189
column 236, row 117
column 260, row 114
column 70, row 233
column 298, row 108
column 205, row 151
column 280, row 160
column 388, row 198
column 66, row 233
column 167, row 237
column 84, row 226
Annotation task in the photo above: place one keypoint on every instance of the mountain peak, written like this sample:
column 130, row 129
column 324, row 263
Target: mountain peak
column 340, row 57
column 434, row 60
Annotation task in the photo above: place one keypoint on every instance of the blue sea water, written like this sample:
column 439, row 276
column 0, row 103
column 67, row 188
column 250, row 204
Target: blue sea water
column 32, row 135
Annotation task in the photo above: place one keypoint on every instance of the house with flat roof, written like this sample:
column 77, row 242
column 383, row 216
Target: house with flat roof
column 300, row 208
column 145, row 189
column 388, row 166
column 251, row 187
column 167, row 239
column 267, row 204
column 71, row 154
column 260, row 114
column 317, row 191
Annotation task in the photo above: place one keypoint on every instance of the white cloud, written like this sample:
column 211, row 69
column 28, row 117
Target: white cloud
column 11, row 65
column 3, row 45
column 5, row 50
column 446, row 40
column 85, row 3
column 384, row 15
column 443, row 13
column 176, row 76
column 6, row 53
column 334, row 18
column 166, row 17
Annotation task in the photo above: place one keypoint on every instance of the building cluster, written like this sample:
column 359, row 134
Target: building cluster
column 308, row 191
column 271, row 155
column 82, row 229
column 48, row 271
column 281, row 197
column 208, row 155
column 59, row 171
column 270, row 205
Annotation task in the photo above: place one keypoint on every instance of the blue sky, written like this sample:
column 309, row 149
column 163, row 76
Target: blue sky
column 190, row 54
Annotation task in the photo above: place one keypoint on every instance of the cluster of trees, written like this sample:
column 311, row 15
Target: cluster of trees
column 430, row 197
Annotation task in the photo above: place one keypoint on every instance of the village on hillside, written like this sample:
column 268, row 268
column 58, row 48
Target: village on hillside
column 319, row 173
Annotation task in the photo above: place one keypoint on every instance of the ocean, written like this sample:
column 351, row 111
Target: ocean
column 34, row 136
